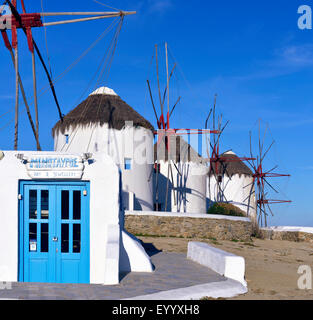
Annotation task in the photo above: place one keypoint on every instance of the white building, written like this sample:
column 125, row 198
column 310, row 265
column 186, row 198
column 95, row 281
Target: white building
column 235, row 184
column 179, row 177
column 105, row 123
column 61, row 220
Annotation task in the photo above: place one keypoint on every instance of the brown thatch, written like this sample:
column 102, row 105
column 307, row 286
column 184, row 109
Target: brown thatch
column 100, row 109
column 232, row 167
column 179, row 151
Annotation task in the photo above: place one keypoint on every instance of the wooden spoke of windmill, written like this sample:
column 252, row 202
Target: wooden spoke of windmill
column 260, row 180
column 27, row 21
column 218, row 162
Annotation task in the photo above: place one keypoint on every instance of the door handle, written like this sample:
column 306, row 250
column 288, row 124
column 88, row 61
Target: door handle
column 55, row 239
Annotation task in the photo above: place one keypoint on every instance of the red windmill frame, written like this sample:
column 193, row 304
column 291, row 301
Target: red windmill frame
column 217, row 160
column 163, row 122
column 259, row 181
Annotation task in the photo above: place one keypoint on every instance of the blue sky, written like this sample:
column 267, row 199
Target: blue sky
column 251, row 54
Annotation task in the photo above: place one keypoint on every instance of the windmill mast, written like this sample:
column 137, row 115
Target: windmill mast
column 168, row 86
column 16, row 97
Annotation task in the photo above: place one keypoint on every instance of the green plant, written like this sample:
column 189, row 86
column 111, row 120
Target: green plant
column 226, row 209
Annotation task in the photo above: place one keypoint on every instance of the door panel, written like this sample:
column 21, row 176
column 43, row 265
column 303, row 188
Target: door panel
column 39, row 251
column 73, row 228
column 55, row 233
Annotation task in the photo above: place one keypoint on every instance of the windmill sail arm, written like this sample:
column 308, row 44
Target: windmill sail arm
column 48, row 24
column 33, row 20
column 117, row 14
column 109, row 14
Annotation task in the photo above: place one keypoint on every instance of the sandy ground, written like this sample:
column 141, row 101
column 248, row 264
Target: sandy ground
column 271, row 265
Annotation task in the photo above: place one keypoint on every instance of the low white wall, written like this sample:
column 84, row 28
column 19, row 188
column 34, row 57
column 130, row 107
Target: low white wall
column 222, row 262
column 185, row 215
column 290, row 229
column 133, row 257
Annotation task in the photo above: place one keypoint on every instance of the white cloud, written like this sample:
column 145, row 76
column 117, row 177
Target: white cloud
column 159, row 6
column 154, row 6
column 284, row 61
column 296, row 56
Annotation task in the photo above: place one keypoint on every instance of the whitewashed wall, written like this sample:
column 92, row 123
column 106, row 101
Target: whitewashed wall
column 133, row 143
column 188, row 193
column 236, row 190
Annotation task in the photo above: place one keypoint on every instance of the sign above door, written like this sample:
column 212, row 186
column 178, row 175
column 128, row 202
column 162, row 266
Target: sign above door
column 55, row 166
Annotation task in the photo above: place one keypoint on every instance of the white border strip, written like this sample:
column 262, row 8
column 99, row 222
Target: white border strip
column 221, row 289
column 185, row 215
column 290, row 229
column 224, row 263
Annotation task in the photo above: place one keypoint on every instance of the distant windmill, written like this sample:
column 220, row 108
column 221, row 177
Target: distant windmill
column 261, row 179
column 219, row 161
column 167, row 135
column 27, row 21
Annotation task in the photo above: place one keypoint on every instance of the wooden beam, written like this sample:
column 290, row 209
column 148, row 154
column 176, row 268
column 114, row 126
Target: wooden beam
column 158, row 79
column 25, row 101
column 167, row 81
column 151, row 97
column 117, row 14
column 16, row 99
column 114, row 13
column 35, row 100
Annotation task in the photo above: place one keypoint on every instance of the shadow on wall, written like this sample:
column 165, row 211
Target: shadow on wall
column 150, row 248
column 217, row 194
column 209, row 203
column 124, row 262
column 159, row 188
column 126, row 202
column 137, row 203
column 177, row 195
column 137, row 252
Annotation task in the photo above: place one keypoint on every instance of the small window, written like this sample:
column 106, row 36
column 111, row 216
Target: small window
column 65, row 205
column 127, row 164
column 76, row 205
column 66, row 138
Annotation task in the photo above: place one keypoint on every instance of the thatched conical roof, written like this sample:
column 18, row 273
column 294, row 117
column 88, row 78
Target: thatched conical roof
column 102, row 106
column 234, row 166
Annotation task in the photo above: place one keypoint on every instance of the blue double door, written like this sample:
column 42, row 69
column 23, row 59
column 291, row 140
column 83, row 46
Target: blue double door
column 54, row 232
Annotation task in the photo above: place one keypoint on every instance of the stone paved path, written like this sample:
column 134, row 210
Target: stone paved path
column 172, row 271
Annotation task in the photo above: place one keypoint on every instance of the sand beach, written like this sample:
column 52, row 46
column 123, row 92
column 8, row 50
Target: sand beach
column 271, row 265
